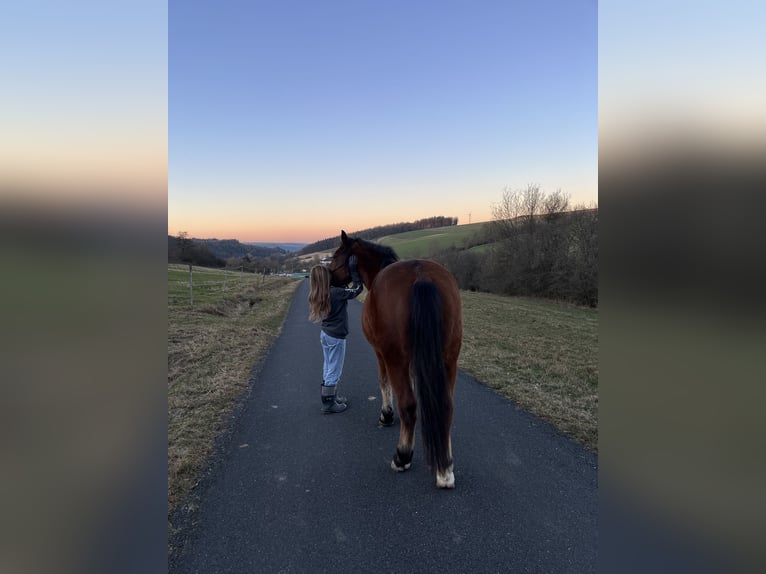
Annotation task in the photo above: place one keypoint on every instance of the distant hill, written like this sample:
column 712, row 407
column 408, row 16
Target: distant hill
column 215, row 252
column 227, row 248
column 192, row 251
column 287, row 247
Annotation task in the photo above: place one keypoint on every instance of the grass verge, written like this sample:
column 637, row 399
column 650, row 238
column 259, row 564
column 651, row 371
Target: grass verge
column 541, row 354
column 212, row 348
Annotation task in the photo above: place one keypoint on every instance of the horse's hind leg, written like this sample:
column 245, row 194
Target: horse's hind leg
column 387, row 408
column 445, row 478
column 407, row 406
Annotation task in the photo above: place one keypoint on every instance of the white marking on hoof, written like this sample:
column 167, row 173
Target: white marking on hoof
column 446, row 480
column 399, row 468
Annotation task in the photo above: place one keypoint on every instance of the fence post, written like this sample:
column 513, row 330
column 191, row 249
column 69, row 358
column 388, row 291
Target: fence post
column 191, row 287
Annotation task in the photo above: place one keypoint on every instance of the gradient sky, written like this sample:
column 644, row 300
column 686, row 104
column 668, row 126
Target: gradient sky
column 292, row 119
column 83, row 101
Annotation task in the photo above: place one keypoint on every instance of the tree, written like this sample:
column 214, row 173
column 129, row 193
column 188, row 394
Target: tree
column 185, row 247
column 555, row 204
column 544, row 248
column 584, row 255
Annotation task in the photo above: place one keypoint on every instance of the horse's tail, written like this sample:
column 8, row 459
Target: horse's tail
column 429, row 373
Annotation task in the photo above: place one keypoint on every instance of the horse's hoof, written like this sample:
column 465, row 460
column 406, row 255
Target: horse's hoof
column 446, row 480
column 445, row 483
column 386, row 420
column 401, row 461
column 400, row 468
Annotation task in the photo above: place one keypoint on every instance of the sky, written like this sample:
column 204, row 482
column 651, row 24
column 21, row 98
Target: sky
column 290, row 120
column 83, row 102
column 688, row 70
column 286, row 121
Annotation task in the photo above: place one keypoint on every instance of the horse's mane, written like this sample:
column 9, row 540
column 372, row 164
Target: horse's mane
column 386, row 254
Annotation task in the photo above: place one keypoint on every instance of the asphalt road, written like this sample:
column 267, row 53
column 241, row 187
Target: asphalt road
column 297, row 491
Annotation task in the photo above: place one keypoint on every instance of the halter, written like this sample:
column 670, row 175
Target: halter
column 333, row 269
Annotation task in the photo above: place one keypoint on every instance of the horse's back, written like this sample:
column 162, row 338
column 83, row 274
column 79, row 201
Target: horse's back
column 386, row 310
column 403, row 274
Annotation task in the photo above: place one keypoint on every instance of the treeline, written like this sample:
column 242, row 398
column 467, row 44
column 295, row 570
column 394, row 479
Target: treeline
column 228, row 253
column 182, row 249
column 228, row 248
column 540, row 247
column 331, row 243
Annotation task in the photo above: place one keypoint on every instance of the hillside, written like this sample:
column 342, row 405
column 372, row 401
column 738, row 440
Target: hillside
column 427, row 242
column 373, row 233
column 184, row 250
column 551, row 256
column 226, row 248
column 216, row 252
column 421, row 243
column 287, row 247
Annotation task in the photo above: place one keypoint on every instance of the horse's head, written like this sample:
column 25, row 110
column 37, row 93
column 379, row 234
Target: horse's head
column 339, row 273
column 371, row 258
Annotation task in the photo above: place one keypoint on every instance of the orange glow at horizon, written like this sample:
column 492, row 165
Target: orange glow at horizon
column 276, row 232
column 294, row 229
column 270, row 220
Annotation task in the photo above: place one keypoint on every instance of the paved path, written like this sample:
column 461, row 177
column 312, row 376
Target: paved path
column 298, row 491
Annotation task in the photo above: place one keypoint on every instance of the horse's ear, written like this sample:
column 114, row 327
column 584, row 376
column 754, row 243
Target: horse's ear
column 343, row 237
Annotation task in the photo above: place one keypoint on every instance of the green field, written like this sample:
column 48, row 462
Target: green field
column 425, row 242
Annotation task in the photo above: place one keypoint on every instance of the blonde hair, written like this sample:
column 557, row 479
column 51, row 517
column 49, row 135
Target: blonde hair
column 319, row 293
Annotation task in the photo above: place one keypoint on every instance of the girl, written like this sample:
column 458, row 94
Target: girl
column 329, row 305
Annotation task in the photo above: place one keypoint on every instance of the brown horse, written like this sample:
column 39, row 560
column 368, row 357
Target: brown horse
column 412, row 318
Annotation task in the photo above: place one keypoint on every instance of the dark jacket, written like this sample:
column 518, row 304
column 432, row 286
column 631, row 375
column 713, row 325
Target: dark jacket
column 336, row 324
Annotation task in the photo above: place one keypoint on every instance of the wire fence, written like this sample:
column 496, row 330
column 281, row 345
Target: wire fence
column 202, row 285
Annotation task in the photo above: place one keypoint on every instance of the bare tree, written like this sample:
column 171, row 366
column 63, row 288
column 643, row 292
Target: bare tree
column 555, row 204
column 539, row 246
column 520, row 208
column 532, row 199
column 184, row 247
column 505, row 213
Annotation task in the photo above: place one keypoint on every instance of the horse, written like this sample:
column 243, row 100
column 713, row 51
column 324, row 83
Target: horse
column 412, row 318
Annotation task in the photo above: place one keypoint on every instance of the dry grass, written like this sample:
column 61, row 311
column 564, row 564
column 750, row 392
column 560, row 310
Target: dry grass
column 543, row 355
column 212, row 348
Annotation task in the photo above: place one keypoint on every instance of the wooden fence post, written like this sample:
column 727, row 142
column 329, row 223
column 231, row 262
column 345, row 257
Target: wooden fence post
column 191, row 287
